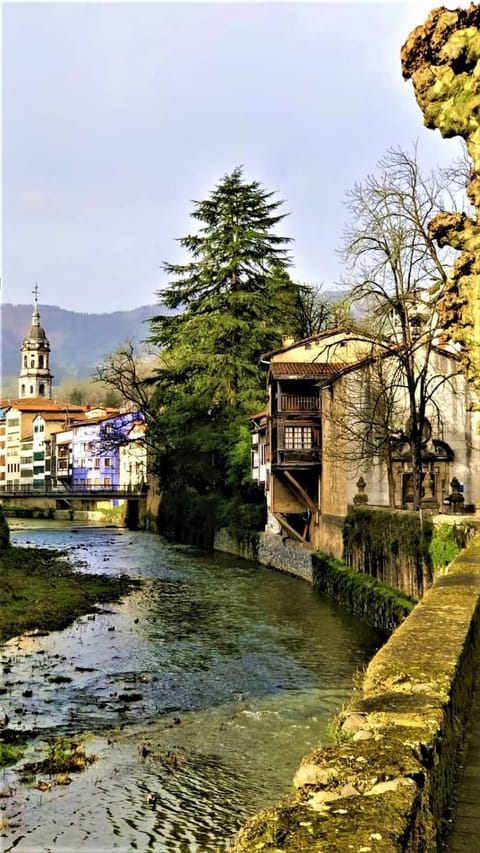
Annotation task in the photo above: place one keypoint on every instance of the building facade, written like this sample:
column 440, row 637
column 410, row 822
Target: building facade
column 315, row 442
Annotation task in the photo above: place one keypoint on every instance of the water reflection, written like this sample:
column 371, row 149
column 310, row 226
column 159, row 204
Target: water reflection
column 203, row 690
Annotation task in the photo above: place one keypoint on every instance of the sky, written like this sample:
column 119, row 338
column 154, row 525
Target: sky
column 118, row 115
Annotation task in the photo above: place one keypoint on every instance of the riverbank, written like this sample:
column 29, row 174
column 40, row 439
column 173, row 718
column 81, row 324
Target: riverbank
column 40, row 590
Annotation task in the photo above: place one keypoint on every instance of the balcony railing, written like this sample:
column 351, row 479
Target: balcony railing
column 302, row 456
column 299, row 402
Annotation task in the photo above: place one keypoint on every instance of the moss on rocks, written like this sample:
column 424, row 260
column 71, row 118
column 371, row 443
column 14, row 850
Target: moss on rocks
column 442, row 57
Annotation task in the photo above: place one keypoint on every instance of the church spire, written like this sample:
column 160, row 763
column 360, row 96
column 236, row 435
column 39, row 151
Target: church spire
column 35, row 379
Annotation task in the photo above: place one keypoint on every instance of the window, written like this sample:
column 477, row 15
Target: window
column 32, row 362
column 41, row 390
column 96, row 463
column 298, row 438
column 108, row 463
column 23, row 390
column 107, row 481
column 25, row 361
column 40, row 360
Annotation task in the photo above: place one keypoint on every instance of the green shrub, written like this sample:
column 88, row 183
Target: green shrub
column 447, row 541
column 4, row 530
column 194, row 519
column 185, row 516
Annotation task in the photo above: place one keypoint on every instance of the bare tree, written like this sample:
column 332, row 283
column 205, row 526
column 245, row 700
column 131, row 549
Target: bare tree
column 396, row 273
column 130, row 373
column 313, row 311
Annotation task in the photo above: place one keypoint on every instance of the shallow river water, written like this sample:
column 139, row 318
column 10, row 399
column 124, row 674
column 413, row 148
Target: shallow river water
column 199, row 694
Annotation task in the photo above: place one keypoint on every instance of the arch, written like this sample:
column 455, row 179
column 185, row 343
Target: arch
column 23, row 390
column 24, row 360
column 41, row 390
column 31, row 389
column 40, row 360
column 32, row 362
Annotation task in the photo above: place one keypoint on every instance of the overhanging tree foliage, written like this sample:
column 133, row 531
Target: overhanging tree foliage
column 235, row 299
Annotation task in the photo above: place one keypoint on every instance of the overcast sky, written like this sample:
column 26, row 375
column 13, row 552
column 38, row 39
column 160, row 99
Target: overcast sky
column 117, row 115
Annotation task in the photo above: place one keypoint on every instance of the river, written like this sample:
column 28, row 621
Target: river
column 198, row 694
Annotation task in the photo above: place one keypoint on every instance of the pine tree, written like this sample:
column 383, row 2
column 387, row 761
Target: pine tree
column 235, row 299
column 234, row 294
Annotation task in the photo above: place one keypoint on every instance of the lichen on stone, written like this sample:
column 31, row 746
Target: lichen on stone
column 442, row 58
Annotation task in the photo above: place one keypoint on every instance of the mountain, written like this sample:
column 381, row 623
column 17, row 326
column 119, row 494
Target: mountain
column 78, row 342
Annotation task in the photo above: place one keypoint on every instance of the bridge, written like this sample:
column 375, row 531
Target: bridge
column 73, row 501
column 74, row 490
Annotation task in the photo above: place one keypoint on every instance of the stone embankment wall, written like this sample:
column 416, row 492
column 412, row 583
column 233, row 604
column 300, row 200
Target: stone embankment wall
column 387, row 785
column 270, row 549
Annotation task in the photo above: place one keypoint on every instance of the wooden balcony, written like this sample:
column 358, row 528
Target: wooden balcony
column 299, row 403
column 298, row 458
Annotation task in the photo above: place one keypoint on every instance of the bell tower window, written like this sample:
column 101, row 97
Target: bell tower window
column 24, row 360
column 40, row 360
column 41, row 390
column 32, row 362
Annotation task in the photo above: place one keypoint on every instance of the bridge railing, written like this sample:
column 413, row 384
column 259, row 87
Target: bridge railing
column 73, row 489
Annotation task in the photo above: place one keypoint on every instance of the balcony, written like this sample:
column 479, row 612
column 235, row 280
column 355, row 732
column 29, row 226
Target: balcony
column 299, row 403
column 297, row 458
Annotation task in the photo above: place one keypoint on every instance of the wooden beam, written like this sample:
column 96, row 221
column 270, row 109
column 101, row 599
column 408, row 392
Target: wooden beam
column 302, row 493
column 288, row 528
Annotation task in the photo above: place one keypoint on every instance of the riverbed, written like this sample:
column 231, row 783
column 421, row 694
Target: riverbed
column 198, row 694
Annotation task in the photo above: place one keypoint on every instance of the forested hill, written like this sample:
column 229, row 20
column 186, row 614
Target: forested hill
column 78, row 341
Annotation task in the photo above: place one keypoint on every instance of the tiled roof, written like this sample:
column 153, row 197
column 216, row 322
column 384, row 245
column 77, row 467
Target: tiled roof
column 305, row 369
column 41, row 404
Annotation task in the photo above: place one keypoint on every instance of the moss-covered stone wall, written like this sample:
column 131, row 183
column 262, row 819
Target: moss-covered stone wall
column 392, row 546
column 387, row 784
column 442, row 58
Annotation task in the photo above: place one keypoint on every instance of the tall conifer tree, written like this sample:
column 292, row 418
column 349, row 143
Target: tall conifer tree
column 235, row 299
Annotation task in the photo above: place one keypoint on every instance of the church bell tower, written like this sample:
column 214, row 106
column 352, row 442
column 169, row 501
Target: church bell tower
column 35, row 379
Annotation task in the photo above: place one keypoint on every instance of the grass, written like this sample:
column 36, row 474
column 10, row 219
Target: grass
column 40, row 590
column 62, row 756
column 10, row 753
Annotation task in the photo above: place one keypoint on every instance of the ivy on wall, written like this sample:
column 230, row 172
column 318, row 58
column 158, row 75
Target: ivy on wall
column 393, row 547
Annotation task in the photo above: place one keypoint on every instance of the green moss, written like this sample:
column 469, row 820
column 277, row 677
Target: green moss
column 10, row 753
column 392, row 547
column 38, row 589
column 364, row 596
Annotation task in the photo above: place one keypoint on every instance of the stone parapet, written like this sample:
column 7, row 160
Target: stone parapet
column 387, row 784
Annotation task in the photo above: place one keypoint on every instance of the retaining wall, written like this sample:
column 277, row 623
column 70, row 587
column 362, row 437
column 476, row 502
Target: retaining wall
column 387, row 785
column 271, row 550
